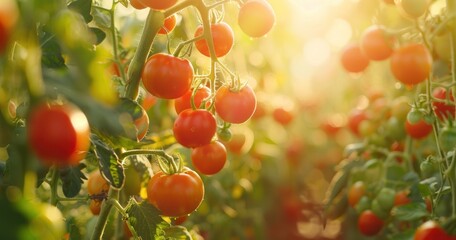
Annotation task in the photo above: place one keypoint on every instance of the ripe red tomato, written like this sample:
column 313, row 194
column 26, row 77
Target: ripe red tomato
column 235, row 107
column 411, row 64
column 180, row 220
column 376, row 44
column 369, row 224
column 430, row 230
column 353, row 59
column 166, row 76
column 168, row 25
column 96, row 184
column 354, row 120
column 158, row 4
column 356, row 192
column 175, row 195
column 58, row 134
column 95, row 207
column 194, row 128
column 223, row 38
column 256, row 18
column 209, row 159
column 8, row 18
column 441, row 109
column 184, row 102
column 401, row 198
column 137, row 4
column 418, row 130
column 282, row 116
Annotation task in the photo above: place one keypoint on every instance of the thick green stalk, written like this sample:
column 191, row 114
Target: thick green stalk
column 105, row 210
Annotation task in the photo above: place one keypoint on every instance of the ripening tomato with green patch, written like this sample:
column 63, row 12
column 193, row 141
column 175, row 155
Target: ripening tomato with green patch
column 185, row 102
column 256, row 18
column 353, row 59
column 168, row 25
column 356, row 192
column 222, row 36
column 369, row 224
column 443, row 110
column 376, row 44
column 430, row 230
column 209, row 159
column 58, row 134
column 194, row 128
column 166, row 76
column 235, row 106
column 177, row 194
column 158, row 4
column 418, row 130
column 411, row 64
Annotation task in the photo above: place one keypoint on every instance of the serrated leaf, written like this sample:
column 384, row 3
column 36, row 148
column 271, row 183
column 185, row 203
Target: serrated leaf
column 51, row 53
column 83, row 7
column 404, row 235
column 109, row 163
column 72, row 180
column 102, row 18
column 146, row 220
column 177, row 233
column 410, row 212
column 100, row 35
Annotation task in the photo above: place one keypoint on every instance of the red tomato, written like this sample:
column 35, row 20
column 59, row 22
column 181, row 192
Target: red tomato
column 223, row 38
column 96, row 184
column 158, row 4
column 430, row 230
column 354, row 120
column 235, row 107
column 282, row 116
column 8, row 18
column 256, row 18
column 369, row 224
column 401, row 198
column 418, row 130
column 194, row 128
column 355, row 193
column 353, row 59
column 330, row 128
column 176, row 195
column 209, row 159
column 148, row 101
column 58, row 134
column 166, row 76
column 411, row 64
column 137, row 4
column 441, row 109
column 236, row 143
column 180, row 220
column 184, row 102
column 95, row 206
column 168, row 25
column 376, row 44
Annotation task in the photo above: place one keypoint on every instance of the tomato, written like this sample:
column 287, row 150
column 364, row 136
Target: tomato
column 166, row 76
column 194, row 128
column 180, row 220
column 354, row 120
column 95, row 206
column 411, row 64
column 376, row 44
column 139, row 117
column 412, row 8
column 401, row 198
column 235, row 106
column 430, row 230
column 419, row 130
column 397, row 146
column 356, row 192
column 447, row 138
column 400, row 108
column 137, row 4
column 148, row 101
column 282, row 116
column 236, row 143
column 175, row 195
column 184, row 102
column 58, row 134
column 386, row 198
column 441, row 109
column 209, row 159
column 369, row 224
column 353, row 59
column 223, row 38
column 256, row 18
column 168, row 25
column 8, row 18
column 96, row 184
column 158, row 4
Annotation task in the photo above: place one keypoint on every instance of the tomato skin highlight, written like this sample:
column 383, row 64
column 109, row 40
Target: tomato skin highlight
column 166, row 76
column 411, row 64
column 209, row 159
column 184, row 102
column 376, row 44
column 235, row 107
column 353, row 59
column 194, row 128
column 58, row 134
column 176, row 195
column 369, row 224
column 222, row 36
column 256, row 18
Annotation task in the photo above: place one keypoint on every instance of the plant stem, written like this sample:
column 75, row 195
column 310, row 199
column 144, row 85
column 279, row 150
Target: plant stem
column 154, row 22
column 106, row 207
column 54, row 184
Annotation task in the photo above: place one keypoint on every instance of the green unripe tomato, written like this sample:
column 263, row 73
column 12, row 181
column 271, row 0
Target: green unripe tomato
column 385, row 198
column 363, row 204
column 378, row 209
column 448, row 138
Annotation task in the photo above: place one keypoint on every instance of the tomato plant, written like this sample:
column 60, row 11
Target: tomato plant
column 194, row 128
column 222, row 37
column 411, row 64
column 282, row 116
column 256, row 18
column 185, row 101
column 369, row 224
column 353, row 59
column 376, row 44
column 168, row 25
column 356, row 192
column 209, row 159
column 235, row 106
column 418, row 130
column 429, row 230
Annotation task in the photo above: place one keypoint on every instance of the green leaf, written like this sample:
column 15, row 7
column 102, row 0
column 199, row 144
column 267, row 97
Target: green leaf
column 178, row 233
column 102, row 18
column 83, row 7
column 340, row 179
column 395, row 173
column 450, row 226
column 404, row 235
column 99, row 34
column 51, row 53
column 124, row 3
column 146, row 220
column 109, row 163
column 410, row 212
column 72, row 180
column 354, row 148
